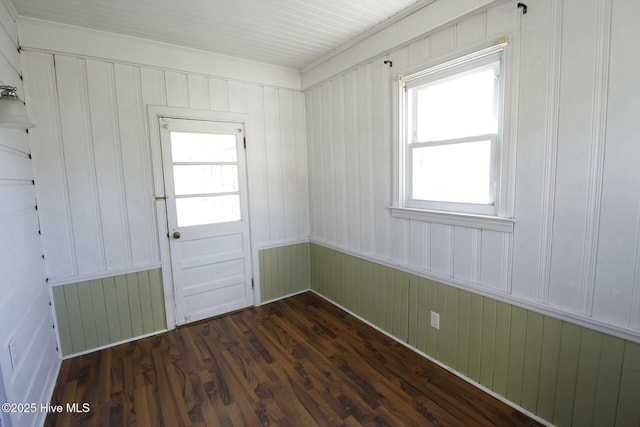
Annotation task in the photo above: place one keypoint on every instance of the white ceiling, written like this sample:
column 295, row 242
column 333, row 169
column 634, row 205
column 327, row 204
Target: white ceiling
column 290, row 33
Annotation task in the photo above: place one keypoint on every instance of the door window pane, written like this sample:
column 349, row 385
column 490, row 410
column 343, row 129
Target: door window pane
column 207, row 210
column 203, row 147
column 453, row 172
column 198, row 179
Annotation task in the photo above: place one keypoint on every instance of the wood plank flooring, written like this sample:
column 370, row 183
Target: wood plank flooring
column 296, row 362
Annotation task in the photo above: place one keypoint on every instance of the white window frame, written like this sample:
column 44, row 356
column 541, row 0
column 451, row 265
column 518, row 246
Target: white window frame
column 495, row 216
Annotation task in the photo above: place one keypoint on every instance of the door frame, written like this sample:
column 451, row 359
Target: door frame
column 155, row 113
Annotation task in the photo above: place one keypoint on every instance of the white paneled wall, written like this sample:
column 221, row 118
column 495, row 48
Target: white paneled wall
column 25, row 314
column 617, row 278
column 575, row 249
column 578, row 194
column 350, row 152
column 92, row 158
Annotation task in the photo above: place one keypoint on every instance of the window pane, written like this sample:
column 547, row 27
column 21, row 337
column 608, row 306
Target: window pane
column 453, row 173
column 458, row 106
column 207, row 210
column 198, row 179
column 203, row 147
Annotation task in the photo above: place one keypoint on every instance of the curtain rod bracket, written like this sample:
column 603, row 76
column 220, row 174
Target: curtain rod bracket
column 523, row 7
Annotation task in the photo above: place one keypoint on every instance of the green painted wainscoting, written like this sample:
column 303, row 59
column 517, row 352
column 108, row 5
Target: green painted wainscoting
column 565, row 374
column 106, row 311
column 284, row 270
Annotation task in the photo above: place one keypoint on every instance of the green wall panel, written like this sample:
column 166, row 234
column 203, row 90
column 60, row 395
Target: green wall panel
column 76, row 322
column 515, row 351
column 450, row 331
column 629, row 400
column 475, row 337
column 552, row 337
column 608, row 386
column 110, row 300
column 566, row 374
column 462, row 351
column 487, row 347
column 105, row 311
column 284, row 271
column 99, row 312
column 502, row 351
column 532, row 357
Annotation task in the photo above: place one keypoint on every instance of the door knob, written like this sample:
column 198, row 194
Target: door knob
column 176, row 234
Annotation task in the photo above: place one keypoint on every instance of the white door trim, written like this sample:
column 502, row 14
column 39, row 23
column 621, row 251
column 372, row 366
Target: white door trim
column 155, row 112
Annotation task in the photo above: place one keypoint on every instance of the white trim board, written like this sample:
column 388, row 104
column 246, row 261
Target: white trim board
column 100, row 275
column 480, row 222
column 281, row 244
column 52, row 37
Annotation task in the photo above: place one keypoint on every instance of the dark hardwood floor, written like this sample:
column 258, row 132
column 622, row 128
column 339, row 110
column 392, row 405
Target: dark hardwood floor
column 296, row 362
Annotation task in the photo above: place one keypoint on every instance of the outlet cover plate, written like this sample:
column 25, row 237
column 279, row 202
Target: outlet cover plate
column 435, row 320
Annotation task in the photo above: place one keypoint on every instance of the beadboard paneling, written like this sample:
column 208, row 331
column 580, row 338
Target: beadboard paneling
column 79, row 164
column 136, row 167
column 571, row 186
column 566, row 374
column 617, row 277
column 284, row 270
column 46, row 145
column 535, row 174
column 93, row 159
column 106, row 311
column 108, row 147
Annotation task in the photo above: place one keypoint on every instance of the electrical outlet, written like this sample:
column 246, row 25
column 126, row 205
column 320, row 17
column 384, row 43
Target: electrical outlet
column 12, row 353
column 435, row 320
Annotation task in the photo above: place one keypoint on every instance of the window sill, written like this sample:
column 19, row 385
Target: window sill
column 483, row 222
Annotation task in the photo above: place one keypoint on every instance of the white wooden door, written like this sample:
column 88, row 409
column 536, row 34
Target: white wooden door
column 207, row 216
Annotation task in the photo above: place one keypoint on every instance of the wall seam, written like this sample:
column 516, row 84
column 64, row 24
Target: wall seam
column 62, row 172
column 145, row 152
column 91, row 153
column 596, row 157
column 551, row 150
column 120, row 169
column 279, row 142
